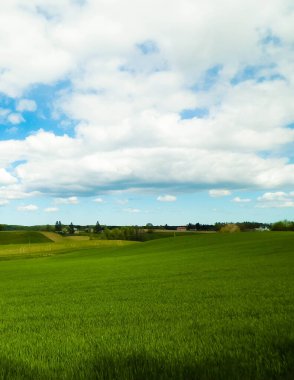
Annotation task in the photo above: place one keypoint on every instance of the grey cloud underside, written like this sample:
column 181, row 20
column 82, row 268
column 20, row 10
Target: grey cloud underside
column 178, row 169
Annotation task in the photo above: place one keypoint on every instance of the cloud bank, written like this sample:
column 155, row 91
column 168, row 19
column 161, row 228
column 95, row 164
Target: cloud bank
column 203, row 101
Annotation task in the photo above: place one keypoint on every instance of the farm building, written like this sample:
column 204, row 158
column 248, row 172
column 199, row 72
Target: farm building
column 182, row 228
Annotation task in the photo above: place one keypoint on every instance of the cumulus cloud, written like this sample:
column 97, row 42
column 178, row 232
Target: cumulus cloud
column 67, row 201
column 128, row 78
column 166, row 198
column 15, row 118
column 98, row 200
column 3, row 202
column 6, row 178
column 278, row 199
column 16, row 191
column 241, row 200
column 30, row 207
column 215, row 193
column 51, row 209
column 26, row 105
column 276, row 196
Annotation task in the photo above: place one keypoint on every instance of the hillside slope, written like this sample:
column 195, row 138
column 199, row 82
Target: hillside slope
column 201, row 307
column 22, row 237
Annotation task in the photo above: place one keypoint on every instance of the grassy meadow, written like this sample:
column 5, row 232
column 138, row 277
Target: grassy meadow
column 51, row 244
column 22, row 237
column 198, row 306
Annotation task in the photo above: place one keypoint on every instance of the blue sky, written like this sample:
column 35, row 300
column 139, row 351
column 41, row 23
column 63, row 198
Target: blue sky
column 109, row 113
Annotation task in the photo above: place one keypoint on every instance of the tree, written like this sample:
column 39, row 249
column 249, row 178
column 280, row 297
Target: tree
column 190, row 227
column 150, row 227
column 71, row 229
column 58, row 226
column 283, row 225
column 230, row 228
column 97, row 228
column 48, row 227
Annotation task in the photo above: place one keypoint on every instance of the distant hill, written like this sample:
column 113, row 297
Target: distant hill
column 22, row 237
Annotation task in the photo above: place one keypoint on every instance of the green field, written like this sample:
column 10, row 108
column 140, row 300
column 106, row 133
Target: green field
column 22, row 237
column 207, row 306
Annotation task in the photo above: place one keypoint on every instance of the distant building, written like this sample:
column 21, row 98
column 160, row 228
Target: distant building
column 182, row 228
column 262, row 229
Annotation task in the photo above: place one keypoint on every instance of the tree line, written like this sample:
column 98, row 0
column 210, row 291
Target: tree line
column 137, row 232
column 283, row 225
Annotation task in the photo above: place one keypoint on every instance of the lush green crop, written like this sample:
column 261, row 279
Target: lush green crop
column 212, row 306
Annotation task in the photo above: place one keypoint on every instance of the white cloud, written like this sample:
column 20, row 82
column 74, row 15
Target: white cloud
column 283, row 204
column 129, row 132
column 241, row 200
column 59, row 165
column 275, row 196
column 16, row 191
column 6, row 178
column 3, row 202
column 166, row 198
column 67, row 201
column 215, row 193
column 278, row 199
column 15, row 118
column 30, row 207
column 26, row 105
column 98, row 200
column 51, row 209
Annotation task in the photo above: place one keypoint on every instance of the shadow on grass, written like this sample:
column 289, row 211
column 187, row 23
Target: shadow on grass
column 12, row 369
column 140, row 366
column 279, row 366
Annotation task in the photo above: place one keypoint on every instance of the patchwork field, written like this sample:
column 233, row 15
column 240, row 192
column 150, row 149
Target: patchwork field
column 207, row 306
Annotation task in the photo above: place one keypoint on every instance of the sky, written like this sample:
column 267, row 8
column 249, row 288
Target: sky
column 135, row 112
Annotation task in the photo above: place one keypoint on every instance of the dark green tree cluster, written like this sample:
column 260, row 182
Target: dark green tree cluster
column 150, row 228
column 244, row 226
column 283, row 225
column 247, row 226
column 123, row 233
column 71, row 229
column 58, row 226
column 200, row 227
column 97, row 228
